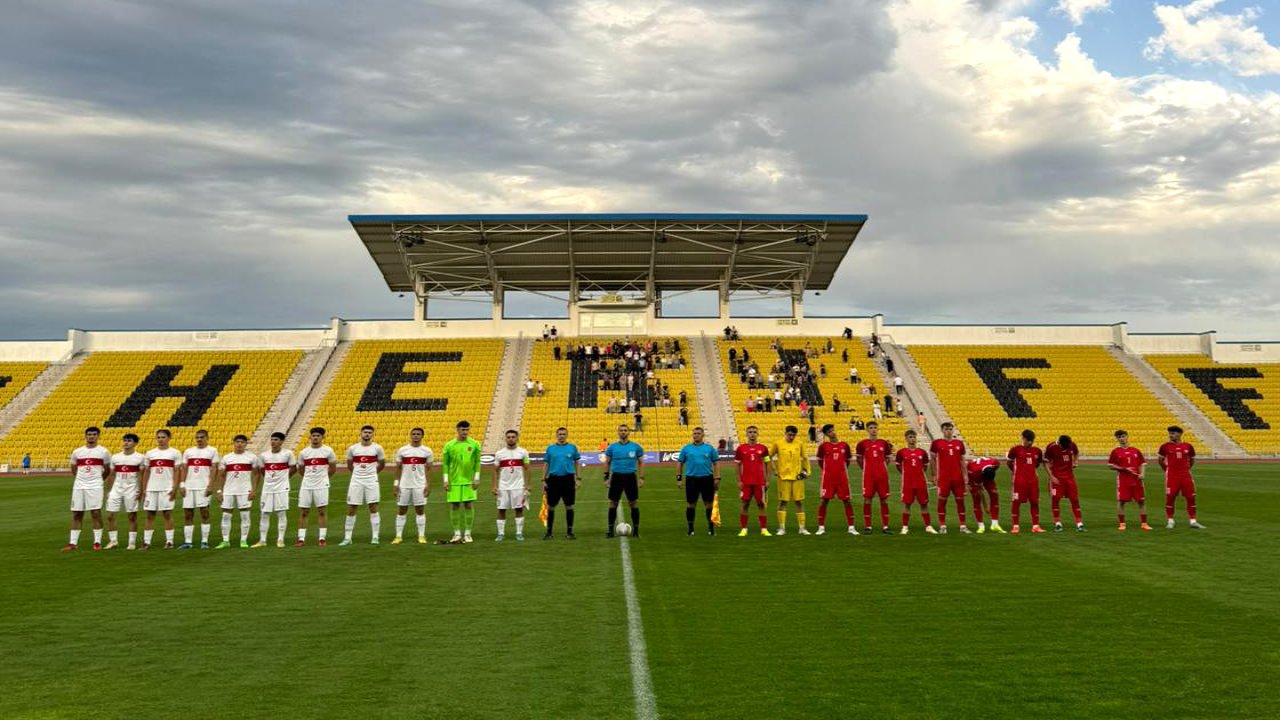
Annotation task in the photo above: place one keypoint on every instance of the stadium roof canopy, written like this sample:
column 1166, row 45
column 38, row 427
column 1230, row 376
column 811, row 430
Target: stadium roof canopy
column 649, row 253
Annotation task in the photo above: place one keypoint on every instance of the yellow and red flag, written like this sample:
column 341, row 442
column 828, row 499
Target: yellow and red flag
column 542, row 511
column 715, row 510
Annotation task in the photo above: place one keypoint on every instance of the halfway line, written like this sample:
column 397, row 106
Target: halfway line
column 641, row 683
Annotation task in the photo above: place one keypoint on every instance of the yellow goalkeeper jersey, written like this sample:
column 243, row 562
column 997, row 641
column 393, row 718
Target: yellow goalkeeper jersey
column 793, row 457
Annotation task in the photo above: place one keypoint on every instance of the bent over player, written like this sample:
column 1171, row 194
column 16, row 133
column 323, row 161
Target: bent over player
column 982, row 479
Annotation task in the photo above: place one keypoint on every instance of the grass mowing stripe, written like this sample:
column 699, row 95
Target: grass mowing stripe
column 641, row 683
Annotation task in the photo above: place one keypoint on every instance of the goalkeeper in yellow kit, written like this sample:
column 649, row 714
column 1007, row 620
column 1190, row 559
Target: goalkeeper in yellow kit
column 791, row 465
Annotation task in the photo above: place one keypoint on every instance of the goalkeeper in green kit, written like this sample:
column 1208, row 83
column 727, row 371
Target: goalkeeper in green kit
column 461, row 473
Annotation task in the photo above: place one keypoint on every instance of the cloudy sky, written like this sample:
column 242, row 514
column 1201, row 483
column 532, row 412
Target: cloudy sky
column 191, row 163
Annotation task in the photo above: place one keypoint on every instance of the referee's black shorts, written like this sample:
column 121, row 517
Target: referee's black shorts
column 623, row 484
column 561, row 487
column 699, row 486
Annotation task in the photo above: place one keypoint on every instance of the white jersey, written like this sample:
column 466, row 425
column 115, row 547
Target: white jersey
column 239, row 469
column 91, row 465
column 413, row 466
column 276, row 467
column 128, row 469
column 315, row 466
column 164, row 465
column 200, row 462
column 511, row 467
column 363, row 461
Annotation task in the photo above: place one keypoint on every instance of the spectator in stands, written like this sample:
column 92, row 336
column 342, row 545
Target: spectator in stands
column 604, row 445
column 813, row 434
column 546, row 332
column 639, row 421
column 723, row 445
column 853, row 376
column 804, row 408
column 875, row 411
column 844, row 356
column 888, row 403
column 848, row 333
column 735, row 332
column 612, row 407
column 830, row 346
column 556, row 351
column 684, row 399
column 733, row 354
column 888, row 364
column 835, row 403
column 728, row 332
column 897, row 384
column 897, row 406
column 811, row 413
column 871, row 388
column 26, row 464
column 777, row 398
column 751, row 404
column 822, row 370
column 866, row 389
column 871, row 349
column 875, row 339
column 633, row 406
column 746, row 355
column 555, row 335
column 529, row 387
column 920, row 421
column 541, row 390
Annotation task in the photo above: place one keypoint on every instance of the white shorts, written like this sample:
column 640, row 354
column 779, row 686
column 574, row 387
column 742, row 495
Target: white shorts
column 361, row 494
column 195, row 498
column 313, row 497
column 238, row 501
column 122, row 499
column 275, row 501
column 513, row 499
column 411, row 496
column 157, row 501
column 82, row 500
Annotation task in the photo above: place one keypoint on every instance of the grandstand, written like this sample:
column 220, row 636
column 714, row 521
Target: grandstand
column 14, row 378
column 1238, row 397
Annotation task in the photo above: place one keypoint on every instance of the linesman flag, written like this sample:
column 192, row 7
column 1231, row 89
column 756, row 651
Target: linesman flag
column 715, row 509
column 542, row 511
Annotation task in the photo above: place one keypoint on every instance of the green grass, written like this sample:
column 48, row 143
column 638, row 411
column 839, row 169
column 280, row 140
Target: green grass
column 1112, row 625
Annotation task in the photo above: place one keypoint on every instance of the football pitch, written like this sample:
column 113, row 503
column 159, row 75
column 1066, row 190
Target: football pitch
column 1112, row 625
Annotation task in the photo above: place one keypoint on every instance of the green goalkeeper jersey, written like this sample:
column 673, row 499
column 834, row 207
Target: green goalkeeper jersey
column 461, row 461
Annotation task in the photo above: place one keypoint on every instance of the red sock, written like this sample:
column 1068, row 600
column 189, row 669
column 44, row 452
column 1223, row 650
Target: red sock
column 1191, row 507
column 743, row 520
column 995, row 506
column 866, row 512
column 1075, row 510
column 906, row 518
column 1143, row 516
column 884, row 513
column 977, row 508
column 924, row 510
column 1017, row 510
column 1057, row 512
column 1170, row 501
column 763, row 521
column 1035, row 513
column 942, row 510
column 848, row 512
column 960, row 509
column 1121, row 518
column 822, row 515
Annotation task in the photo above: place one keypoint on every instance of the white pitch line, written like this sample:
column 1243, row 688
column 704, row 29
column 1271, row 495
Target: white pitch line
column 641, row 683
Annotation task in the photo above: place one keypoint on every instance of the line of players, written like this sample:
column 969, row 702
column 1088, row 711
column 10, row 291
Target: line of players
column 946, row 465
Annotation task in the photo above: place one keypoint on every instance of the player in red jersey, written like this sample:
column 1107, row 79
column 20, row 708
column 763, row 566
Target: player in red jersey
column 1025, row 461
column 833, row 460
column 751, row 457
column 947, row 466
column 982, row 476
column 1063, row 457
column 873, row 457
column 1129, row 465
column 912, row 462
column 1177, row 458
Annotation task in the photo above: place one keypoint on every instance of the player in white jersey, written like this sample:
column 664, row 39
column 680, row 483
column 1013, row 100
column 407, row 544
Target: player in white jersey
column 91, row 462
column 273, row 487
column 238, row 469
column 122, row 490
column 365, row 459
column 160, row 480
column 510, row 484
column 412, row 487
column 318, row 463
column 197, row 483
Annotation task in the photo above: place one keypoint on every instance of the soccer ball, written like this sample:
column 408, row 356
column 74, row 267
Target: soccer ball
column 622, row 529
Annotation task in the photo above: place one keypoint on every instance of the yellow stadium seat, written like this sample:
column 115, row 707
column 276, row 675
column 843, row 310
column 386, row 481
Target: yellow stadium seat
column 14, row 378
column 1241, row 414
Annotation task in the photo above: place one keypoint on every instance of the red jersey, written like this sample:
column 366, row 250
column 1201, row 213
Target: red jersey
column 1130, row 458
column 873, row 458
column 950, row 459
column 1025, row 461
column 911, row 463
column 977, row 468
column 1176, row 458
column 1062, row 460
column 752, row 458
column 834, row 457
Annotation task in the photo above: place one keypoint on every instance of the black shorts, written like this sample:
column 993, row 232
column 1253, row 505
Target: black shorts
column 699, row 487
column 623, row 483
column 561, row 487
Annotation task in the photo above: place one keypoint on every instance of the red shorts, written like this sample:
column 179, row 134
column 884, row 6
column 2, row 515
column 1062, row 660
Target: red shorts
column 1064, row 489
column 752, row 492
column 875, row 487
column 835, row 488
column 1026, row 490
column 916, row 493
column 976, row 488
column 947, row 488
column 1186, row 487
column 1130, row 489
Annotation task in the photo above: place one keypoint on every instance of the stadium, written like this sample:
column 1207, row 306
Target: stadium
column 1161, row 621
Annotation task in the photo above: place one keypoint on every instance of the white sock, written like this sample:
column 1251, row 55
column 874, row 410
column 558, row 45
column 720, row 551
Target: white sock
column 323, row 530
column 399, row 526
column 421, row 520
column 302, row 534
column 146, row 536
column 168, row 536
column 281, row 523
column 502, row 527
column 97, row 535
column 204, row 532
column 375, row 522
column 133, row 537
column 264, row 525
column 226, row 526
column 188, row 532
column 75, row 537
column 350, row 525
column 112, row 536
column 246, row 524
column 519, row 526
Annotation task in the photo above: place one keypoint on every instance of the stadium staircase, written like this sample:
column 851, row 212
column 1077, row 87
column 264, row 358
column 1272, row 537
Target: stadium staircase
column 35, row 392
column 314, row 393
column 285, row 408
column 910, row 408
column 508, row 393
column 917, row 389
column 713, row 393
column 1220, row 444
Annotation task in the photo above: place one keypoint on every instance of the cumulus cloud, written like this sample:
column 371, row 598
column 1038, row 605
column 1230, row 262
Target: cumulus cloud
column 1076, row 10
column 1196, row 33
